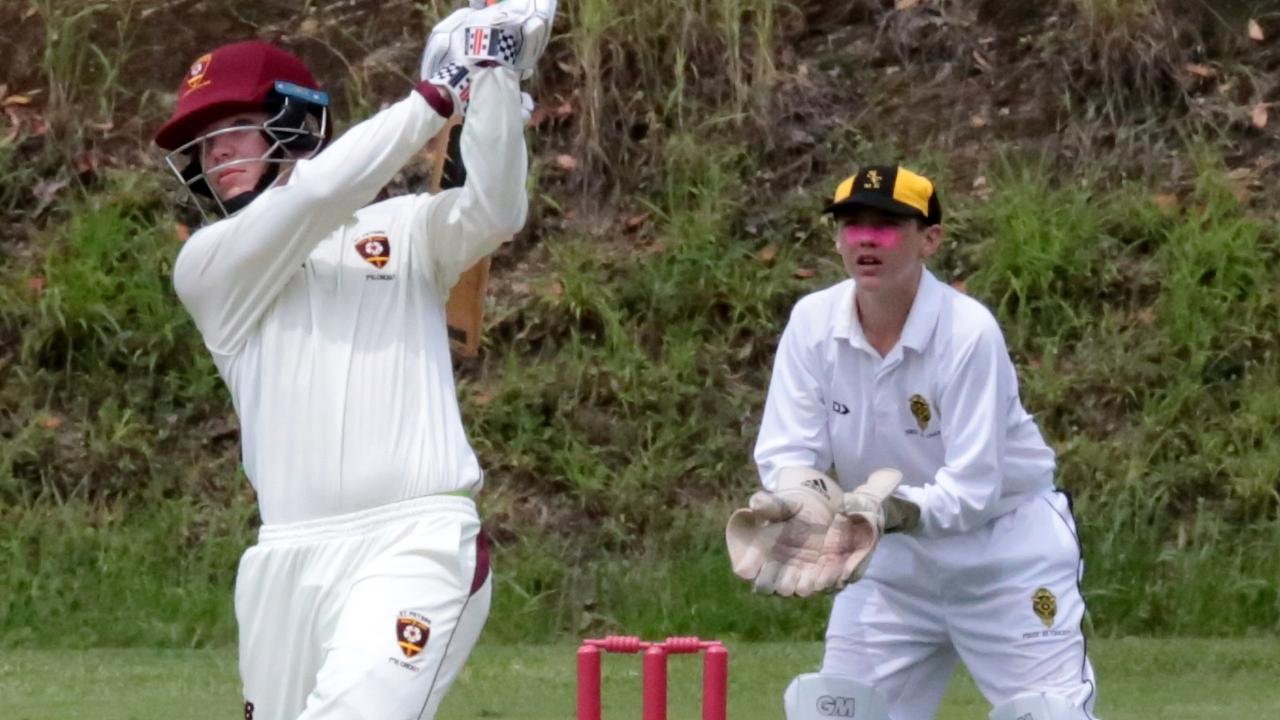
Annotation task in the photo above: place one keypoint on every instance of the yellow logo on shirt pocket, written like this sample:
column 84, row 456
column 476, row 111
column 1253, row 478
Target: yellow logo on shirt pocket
column 1044, row 605
column 920, row 411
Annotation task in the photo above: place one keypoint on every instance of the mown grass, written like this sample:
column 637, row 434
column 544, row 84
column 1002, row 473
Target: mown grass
column 1139, row 679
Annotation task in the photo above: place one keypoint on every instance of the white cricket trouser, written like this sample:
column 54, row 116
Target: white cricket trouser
column 1004, row 598
column 364, row 616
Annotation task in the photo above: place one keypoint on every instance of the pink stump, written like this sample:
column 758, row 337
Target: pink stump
column 655, row 683
column 588, row 683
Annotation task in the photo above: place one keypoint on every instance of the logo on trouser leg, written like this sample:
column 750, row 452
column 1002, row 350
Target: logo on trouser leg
column 412, row 631
column 1045, row 606
column 248, row 710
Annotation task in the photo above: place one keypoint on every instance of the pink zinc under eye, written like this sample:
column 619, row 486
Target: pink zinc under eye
column 880, row 237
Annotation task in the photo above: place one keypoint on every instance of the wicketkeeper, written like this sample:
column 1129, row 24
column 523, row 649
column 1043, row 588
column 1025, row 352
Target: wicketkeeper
column 325, row 317
column 941, row 528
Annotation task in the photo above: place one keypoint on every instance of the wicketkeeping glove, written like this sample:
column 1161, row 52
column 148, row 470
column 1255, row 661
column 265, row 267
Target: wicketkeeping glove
column 777, row 541
column 864, row 515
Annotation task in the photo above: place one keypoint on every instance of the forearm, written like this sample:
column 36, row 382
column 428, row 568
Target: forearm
column 462, row 225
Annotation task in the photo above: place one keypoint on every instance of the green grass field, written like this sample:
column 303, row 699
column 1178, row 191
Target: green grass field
column 1167, row 679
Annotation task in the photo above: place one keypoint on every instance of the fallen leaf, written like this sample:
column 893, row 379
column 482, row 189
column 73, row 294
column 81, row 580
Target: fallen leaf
column 1199, row 70
column 1259, row 115
column 37, row 284
column 51, row 422
column 1145, row 316
column 1167, row 202
column 979, row 182
column 482, row 399
column 18, row 100
column 805, row 273
column 1240, row 173
column 905, row 4
column 1240, row 190
column 567, row 163
column 635, row 222
column 978, row 121
column 960, row 286
column 769, row 252
column 1255, row 31
column 557, row 288
column 1035, row 362
column 657, row 247
column 182, row 231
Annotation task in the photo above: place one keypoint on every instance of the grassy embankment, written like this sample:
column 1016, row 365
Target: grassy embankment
column 615, row 404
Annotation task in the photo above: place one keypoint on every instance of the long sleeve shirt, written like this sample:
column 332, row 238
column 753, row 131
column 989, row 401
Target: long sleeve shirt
column 325, row 314
column 942, row 407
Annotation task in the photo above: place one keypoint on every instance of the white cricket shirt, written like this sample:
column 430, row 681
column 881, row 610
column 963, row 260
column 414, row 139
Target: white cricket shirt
column 326, row 318
column 942, row 407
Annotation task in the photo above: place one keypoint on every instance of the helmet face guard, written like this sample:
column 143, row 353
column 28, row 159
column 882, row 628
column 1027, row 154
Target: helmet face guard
column 297, row 128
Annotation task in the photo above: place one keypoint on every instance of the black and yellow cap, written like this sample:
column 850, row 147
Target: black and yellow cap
column 892, row 189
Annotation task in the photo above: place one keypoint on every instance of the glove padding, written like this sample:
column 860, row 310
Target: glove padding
column 857, row 527
column 512, row 34
column 778, row 540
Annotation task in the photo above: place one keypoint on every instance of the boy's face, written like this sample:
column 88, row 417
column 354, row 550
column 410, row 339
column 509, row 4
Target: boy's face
column 232, row 159
column 883, row 250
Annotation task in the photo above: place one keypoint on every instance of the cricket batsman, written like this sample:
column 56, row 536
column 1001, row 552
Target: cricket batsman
column 369, row 584
column 905, row 386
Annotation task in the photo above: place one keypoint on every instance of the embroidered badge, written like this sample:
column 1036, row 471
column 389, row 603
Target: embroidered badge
column 1045, row 606
column 920, row 411
column 412, row 631
column 375, row 249
column 195, row 76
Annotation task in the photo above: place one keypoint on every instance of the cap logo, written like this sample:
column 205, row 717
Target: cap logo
column 196, row 75
column 873, row 180
column 375, row 249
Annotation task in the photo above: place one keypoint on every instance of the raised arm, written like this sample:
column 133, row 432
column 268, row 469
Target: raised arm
column 457, row 227
column 229, row 273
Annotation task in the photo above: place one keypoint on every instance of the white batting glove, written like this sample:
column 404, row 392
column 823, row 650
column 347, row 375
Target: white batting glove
column 777, row 541
column 512, row 34
column 856, row 529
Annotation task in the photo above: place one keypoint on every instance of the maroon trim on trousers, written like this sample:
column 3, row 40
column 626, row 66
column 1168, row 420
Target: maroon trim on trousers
column 482, row 562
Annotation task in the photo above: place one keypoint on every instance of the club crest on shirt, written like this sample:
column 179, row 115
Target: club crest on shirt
column 920, row 411
column 375, row 248
column 1044, row 605
column 412, row 631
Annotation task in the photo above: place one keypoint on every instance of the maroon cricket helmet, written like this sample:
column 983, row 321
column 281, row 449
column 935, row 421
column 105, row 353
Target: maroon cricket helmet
column 233, row 78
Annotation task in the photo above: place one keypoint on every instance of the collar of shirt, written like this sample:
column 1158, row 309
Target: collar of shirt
column 918, row 329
